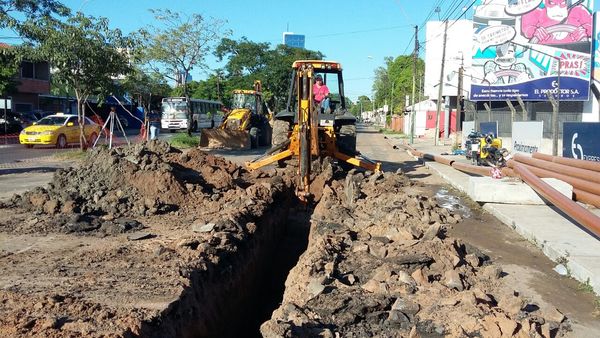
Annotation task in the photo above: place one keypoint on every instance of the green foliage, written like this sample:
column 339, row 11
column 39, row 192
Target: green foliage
column 147, row 88
column 9, row 66
column 397, row 76
column 248, row 61
column 21, row 15
column 586, row 287
column 86, row 54
column 182, row 141
column 179, row 43
column 362, row 103
column 397, row 134
column 73, row 155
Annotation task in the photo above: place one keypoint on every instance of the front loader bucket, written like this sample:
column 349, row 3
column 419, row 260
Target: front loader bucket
column 223, row 138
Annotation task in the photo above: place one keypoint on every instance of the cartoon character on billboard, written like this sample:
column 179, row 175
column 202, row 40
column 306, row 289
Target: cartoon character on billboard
column 505, row 68
column 558, row 22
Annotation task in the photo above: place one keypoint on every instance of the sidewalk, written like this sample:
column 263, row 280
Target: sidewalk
column 560, row 238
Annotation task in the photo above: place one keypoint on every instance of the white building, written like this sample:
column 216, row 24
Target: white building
column 458, row 52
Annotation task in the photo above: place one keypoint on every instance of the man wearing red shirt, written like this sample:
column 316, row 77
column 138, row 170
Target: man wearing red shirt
column 321, row 93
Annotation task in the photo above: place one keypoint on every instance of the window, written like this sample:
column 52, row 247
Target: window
column 27, row 70
column 74, row 121
column 23, row 107
column 42, row 71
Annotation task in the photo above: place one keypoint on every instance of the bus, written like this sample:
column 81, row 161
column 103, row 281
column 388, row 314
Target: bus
column 206, row 113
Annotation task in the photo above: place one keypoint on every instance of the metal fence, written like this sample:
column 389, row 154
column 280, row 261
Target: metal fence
column 536, row 111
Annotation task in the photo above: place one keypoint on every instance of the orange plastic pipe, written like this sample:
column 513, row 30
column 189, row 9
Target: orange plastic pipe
column 586, row 197
column 574, row 210
column 584, row 174
column 469, row 168
column 589, row 165
column 578, row 183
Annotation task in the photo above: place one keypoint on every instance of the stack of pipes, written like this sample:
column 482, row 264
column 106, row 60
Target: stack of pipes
column 584, row 176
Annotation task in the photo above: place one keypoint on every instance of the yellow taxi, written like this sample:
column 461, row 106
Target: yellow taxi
column 59, row 130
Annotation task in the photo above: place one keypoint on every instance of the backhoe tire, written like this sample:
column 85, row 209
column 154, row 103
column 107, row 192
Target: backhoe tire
column 264, row 137
column 254, row 134
column 280, row 132
column 346, row 142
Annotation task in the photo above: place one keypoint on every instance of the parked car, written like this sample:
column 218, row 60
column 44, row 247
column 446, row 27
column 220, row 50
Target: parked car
column 58, row 129
column 10, row 125
column 27, row 119
column 41, row 114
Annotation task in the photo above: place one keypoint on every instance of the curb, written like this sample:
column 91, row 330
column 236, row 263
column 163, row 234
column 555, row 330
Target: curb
column 563, row 249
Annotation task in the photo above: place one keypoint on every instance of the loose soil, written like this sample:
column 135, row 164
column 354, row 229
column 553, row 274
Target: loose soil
column 151, row 241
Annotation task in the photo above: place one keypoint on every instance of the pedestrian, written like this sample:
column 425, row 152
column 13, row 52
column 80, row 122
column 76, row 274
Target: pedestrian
column 154, row 123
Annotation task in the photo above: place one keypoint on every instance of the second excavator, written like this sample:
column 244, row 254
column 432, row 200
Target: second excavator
column 245, row 126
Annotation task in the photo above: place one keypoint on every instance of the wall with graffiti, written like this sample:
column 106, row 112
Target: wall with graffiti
column 521, row 46
column 596, row 52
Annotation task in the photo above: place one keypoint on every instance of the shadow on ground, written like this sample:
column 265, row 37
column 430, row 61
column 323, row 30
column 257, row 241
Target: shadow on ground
column 31, row 170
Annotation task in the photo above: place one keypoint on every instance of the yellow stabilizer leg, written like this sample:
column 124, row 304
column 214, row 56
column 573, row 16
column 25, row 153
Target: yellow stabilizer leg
column 266, row 161
column 357, row 162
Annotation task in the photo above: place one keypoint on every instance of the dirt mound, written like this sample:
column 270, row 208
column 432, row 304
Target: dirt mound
column 379, row 263
column 112, row 186
column 173, row 248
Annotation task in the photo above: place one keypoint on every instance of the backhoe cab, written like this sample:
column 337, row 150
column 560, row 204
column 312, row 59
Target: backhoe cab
column 306, row 130
column 245, row 126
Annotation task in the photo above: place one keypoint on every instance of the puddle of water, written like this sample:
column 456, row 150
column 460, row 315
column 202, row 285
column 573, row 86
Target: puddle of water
column 448, row 201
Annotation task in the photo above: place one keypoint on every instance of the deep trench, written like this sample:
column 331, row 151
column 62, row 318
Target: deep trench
column 283, row 256
column 235, row 298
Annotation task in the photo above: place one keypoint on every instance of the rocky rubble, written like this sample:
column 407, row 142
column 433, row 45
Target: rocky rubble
column 139, row 241
column 379, row 264
column 151, row 241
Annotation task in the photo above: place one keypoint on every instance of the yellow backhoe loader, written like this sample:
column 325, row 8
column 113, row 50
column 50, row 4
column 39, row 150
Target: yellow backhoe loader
column 245, row 126
column 306, row 130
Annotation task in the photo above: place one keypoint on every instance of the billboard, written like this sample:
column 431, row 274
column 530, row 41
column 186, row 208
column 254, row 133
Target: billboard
column 293, row 40
column 531, row 49
column 596, row 52
column 580, row 140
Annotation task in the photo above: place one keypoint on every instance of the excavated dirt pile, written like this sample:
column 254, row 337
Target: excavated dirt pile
column 379, row 264
column 113, row 186
column 144, row 240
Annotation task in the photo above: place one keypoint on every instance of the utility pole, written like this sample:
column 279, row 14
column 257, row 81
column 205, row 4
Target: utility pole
column 555, row 111
column 414, row 84
column 459, row 99
column 441, row 87
column 392, row 101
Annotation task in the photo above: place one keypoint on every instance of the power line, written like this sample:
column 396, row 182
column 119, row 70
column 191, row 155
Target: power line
column 452, row 23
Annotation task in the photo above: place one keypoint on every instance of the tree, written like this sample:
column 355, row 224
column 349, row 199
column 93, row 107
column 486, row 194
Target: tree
column 248, row 61
column 145, row 88
column 395, row 78
column 178, row 44
column 9, row 66
column 19, row 15
column 86, row 56
column 363, row 103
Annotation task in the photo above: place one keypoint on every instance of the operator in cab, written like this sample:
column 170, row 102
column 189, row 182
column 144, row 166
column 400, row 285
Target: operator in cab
column 321, row 93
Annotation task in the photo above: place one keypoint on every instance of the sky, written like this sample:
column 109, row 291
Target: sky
column 357, row 33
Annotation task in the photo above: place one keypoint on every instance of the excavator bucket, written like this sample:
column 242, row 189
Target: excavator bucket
column 225, row 138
